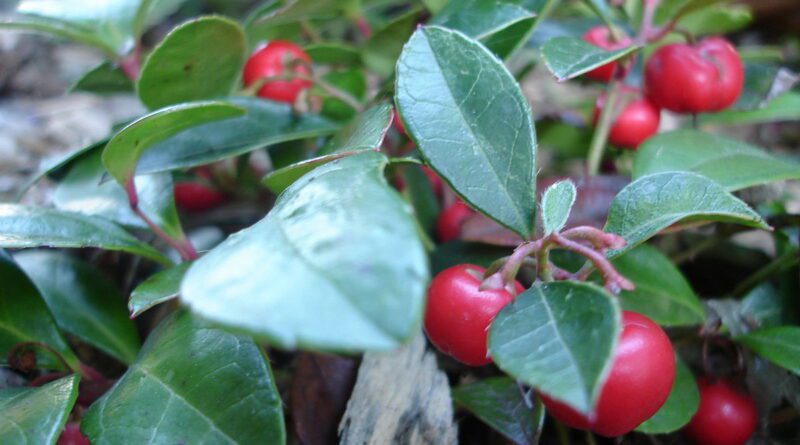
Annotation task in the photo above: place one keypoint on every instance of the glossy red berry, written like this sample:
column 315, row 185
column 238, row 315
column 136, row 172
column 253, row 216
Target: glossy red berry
column 600, row 37
column 697, row 78
column 641, row 378
column 635, row 123
column 272, row 60
column 448, row 225
column 458, row 315
column 726, row 416
column 72, row 435
column 196, row 196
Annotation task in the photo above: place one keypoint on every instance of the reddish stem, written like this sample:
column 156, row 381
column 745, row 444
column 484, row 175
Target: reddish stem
column 131, row 65
column 363, row 27
column 183, row 246
column 614, row 282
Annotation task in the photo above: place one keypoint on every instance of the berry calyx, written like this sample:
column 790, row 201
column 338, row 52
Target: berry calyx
column 194, row 196
column 641, row 377
column 278, row 58
column 700, row 78
column 458, row 314
column 725, row 416
column 600, row 37
column 448, row 224
column 636, row 122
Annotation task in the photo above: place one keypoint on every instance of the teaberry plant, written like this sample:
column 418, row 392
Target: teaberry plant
column 399, row 197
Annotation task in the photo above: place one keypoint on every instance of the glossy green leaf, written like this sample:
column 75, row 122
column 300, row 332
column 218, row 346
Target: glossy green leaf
column 124, row 149
column 680, row 406
column 37, row 415
column 161, row 287
column 675, row 9
column 83, row 301
column 338, row 53
column 355, row 258
column 785, row 107
column 541, row 339
column 23, row 226
column 731, row 163
column 654, row 202
column 200, row 59
column 779, row 344
column 758, row 80
column 469, row 119
column 557, row 202
column 24, row 317
column 662, row 293
column 105, row 78
column 381, row 51
column 191, row 384
column 422, row 197
column 265, row 123
column 569, row 57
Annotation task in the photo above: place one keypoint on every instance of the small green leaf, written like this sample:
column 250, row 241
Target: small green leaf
column 83, row 302
column 355, row 258
column 105, row 78
column 37, row 415
column 732, row 164
column 680, row 406
column 785, row 107
column 335, row 53
column 557, row 202
column 541, row 339
column 780, row 345
column 569, row 57
column 161, row 287
column 654, row 202
column 469, row 119
column 381, row 51
column 194, row 384
column 200, row 59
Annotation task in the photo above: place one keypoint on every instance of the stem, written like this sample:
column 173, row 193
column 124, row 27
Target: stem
column 183, row 246
column 131, row 65
column 603, row 128
column 332, row 90
column 363, row 27
column 545, row 269
column 85, row 371
column 614, row 282
column 504, row 278
column 776, row 266
column 646, row 28
column 562, row 433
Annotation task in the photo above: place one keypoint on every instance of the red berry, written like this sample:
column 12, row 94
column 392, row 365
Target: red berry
column 641, row 378
column 600, row 37
column 458, row 315
column 725, row 416
column 270, row 61
column 697, row 78
column 196, row 197
column 72, row 436
column 448, row 225
column 635, row 123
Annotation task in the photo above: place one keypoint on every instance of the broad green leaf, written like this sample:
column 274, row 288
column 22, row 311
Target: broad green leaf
column 731, row 163
column 24, row 317
column 335, row 53
column 265, row 123
column 675, row 9
column 785, row 107
column 469, row 119
column 124, row 149
column 381, row 51
column 23, row 226
column 557, row 202
column 662, row 293
column 680, row 406
column 780, row 345
column 654, row 202
column 161, row 287
column 105, row 78
column 193, row 384
column 541, row 339
column 278, row 180
column 354, row 257
column 83, row 301
column 59, row 28
column 37, row 415
column 200, row 59
column 498, row 402
column 569, row 57
column 717, row 19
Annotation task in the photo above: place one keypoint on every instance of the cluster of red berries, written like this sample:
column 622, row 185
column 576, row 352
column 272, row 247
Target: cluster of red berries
column 683, row 78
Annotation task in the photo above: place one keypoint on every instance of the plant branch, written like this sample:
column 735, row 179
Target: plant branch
column 614, row 282
column 603, row 128
column 330, row 89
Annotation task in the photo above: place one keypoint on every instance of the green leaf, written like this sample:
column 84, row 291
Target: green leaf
column 421, row 196
column 680, row 406
column 780, row 345
column 381, row 51
column 161, row 287
column 541, row 339
column 732, row 164
column 355, row 258
column 124, row 149
column 498, row 402
column 273, row 15
column 351, row 81
column 662, row 293
column 57, row 28
column 434, row 6
column 557, row 202
column 191, row 384
column 717, row 19
column 200, row 59
column 569, row 57
column 105, row 78
column 37, row 415
column 785, row 107
column 675, row 9
column 469, row 119
column 83, row 302
column 654, row 202
column 335, row 53
column 24, row 317
column 265, row 123
column 758, row 80
column 23, row 226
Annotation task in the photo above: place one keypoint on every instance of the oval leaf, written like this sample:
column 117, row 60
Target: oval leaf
column 37, row 415
column 780, row 345
column 569, row 57
column 355, row 258
column 783, row 108
column 540, row 338
column 557, row 203
column 468, row 117
column 680, row 406
column 157, row 289
column 105, row 78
